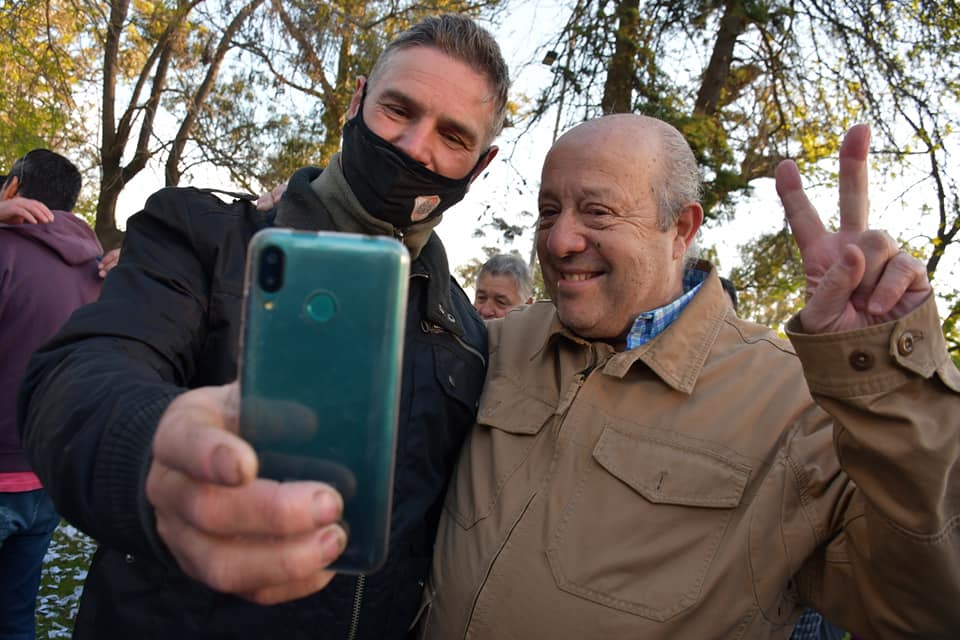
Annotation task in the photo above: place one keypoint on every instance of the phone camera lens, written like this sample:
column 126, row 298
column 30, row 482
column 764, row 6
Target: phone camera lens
column 271, row 269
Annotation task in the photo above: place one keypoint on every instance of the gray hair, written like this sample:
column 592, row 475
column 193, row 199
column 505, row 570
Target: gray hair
column 459, row 37
column 681, row 182
column 511, row 265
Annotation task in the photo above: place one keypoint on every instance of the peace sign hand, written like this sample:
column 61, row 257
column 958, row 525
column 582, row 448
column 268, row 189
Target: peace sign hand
column 856, row 277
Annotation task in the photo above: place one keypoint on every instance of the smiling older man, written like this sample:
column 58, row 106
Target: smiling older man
column 648, row 466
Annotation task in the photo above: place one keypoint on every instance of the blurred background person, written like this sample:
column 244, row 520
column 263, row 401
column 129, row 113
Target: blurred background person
column 504, row 282
column 48, row 267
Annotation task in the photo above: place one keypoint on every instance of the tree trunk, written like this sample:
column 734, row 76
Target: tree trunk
column 618, row 88
column 105, row 226
column 717, row 73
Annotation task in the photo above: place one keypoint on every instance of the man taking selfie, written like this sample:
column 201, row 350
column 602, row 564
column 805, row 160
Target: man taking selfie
column 126, row 423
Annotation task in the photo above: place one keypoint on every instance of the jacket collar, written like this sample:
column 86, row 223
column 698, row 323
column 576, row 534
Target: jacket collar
column 303, row 208
column 678, row 354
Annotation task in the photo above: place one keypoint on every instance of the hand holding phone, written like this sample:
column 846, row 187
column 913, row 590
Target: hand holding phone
column 320, row 371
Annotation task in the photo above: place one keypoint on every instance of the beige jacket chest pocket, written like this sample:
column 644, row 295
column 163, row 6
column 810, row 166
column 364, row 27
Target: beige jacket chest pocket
column 644, row 524
column 492, row 463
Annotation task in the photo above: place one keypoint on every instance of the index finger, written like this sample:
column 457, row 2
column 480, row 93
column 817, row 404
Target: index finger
column 195, row 436
column 854, row 198
column 804, row 220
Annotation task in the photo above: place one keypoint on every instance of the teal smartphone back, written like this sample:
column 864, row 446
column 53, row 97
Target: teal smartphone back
column 320, row 371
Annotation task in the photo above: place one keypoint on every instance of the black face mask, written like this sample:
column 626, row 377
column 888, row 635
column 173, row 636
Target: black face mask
column 391, row 185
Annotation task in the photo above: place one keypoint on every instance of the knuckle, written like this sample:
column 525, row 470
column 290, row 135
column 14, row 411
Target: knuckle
column 217, row 573
column 874, row 240
column 205, row 506
column 297, row 565
column 284, row 509
column 160, row 482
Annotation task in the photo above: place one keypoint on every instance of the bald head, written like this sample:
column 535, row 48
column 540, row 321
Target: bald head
column 651, row 146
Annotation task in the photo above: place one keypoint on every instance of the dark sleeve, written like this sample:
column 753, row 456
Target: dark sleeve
column 92, row 397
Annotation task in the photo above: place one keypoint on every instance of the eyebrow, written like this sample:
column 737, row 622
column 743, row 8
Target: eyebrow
column 469, row 136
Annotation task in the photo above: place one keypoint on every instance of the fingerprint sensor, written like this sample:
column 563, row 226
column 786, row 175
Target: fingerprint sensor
column 321, row 305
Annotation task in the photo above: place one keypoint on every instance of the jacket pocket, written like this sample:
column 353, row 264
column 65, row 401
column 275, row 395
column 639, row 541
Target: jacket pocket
column 459, row 375
column 508, row 424
column 644, row 524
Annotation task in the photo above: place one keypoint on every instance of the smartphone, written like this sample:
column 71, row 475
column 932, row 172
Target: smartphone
column 322, row 344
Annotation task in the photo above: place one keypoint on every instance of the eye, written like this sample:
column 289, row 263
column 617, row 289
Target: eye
column 547, row 216
column 395, row 110
column 597, row 211
column 453, row 139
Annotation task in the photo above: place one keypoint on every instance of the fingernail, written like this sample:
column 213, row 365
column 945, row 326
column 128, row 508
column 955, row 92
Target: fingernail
column 333, row 541
column 326, row 507
column 226, row 467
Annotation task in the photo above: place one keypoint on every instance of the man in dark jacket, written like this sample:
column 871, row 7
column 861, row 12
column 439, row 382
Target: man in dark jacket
column 138, row 447
column 48, row 268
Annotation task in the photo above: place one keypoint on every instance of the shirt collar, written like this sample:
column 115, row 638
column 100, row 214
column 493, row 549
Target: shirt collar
column 677, row 357
column 650, row 324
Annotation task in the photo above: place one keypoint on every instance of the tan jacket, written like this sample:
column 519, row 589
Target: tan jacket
column 690, row 488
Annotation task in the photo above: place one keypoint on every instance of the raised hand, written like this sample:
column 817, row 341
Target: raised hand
column 20, row 210
column 262, row 540
column 270, row 199
column 856, row 277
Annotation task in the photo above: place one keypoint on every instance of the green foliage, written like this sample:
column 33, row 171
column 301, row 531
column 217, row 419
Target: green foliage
column 37, row 77
column 770, row 281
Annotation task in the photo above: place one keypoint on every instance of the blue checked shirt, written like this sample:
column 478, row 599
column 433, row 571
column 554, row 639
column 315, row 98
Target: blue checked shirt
column 650, row 324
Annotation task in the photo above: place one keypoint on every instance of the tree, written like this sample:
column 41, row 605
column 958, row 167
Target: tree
column 37, row 79
column 144, row 47
column 770, row 280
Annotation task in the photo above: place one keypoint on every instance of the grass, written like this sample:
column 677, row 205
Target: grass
column 64, row 570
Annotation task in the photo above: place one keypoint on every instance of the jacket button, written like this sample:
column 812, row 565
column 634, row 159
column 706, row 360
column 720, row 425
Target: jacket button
column 861, row 360
column 130, row 558
column 905, row 343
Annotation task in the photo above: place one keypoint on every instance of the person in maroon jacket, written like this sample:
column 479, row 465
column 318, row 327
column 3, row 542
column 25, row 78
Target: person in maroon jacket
column 49, row 266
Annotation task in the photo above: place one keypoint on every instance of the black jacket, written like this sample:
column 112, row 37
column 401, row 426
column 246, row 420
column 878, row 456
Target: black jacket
column 167, row 320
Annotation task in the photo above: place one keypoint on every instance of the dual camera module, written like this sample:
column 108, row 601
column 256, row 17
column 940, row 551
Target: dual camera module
column 271, row 269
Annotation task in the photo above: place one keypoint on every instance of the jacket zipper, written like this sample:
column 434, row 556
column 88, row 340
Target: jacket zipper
column 357, row 602
column 470, row 349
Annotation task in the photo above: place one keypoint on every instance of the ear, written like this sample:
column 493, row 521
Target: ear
column 688, row 223
column 357, row 99
column 484, row 162
column 9, row 190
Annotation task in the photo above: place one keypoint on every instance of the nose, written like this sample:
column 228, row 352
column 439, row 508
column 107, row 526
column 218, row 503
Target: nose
column 486, row 310
column 565, row 236
column 415, row 142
